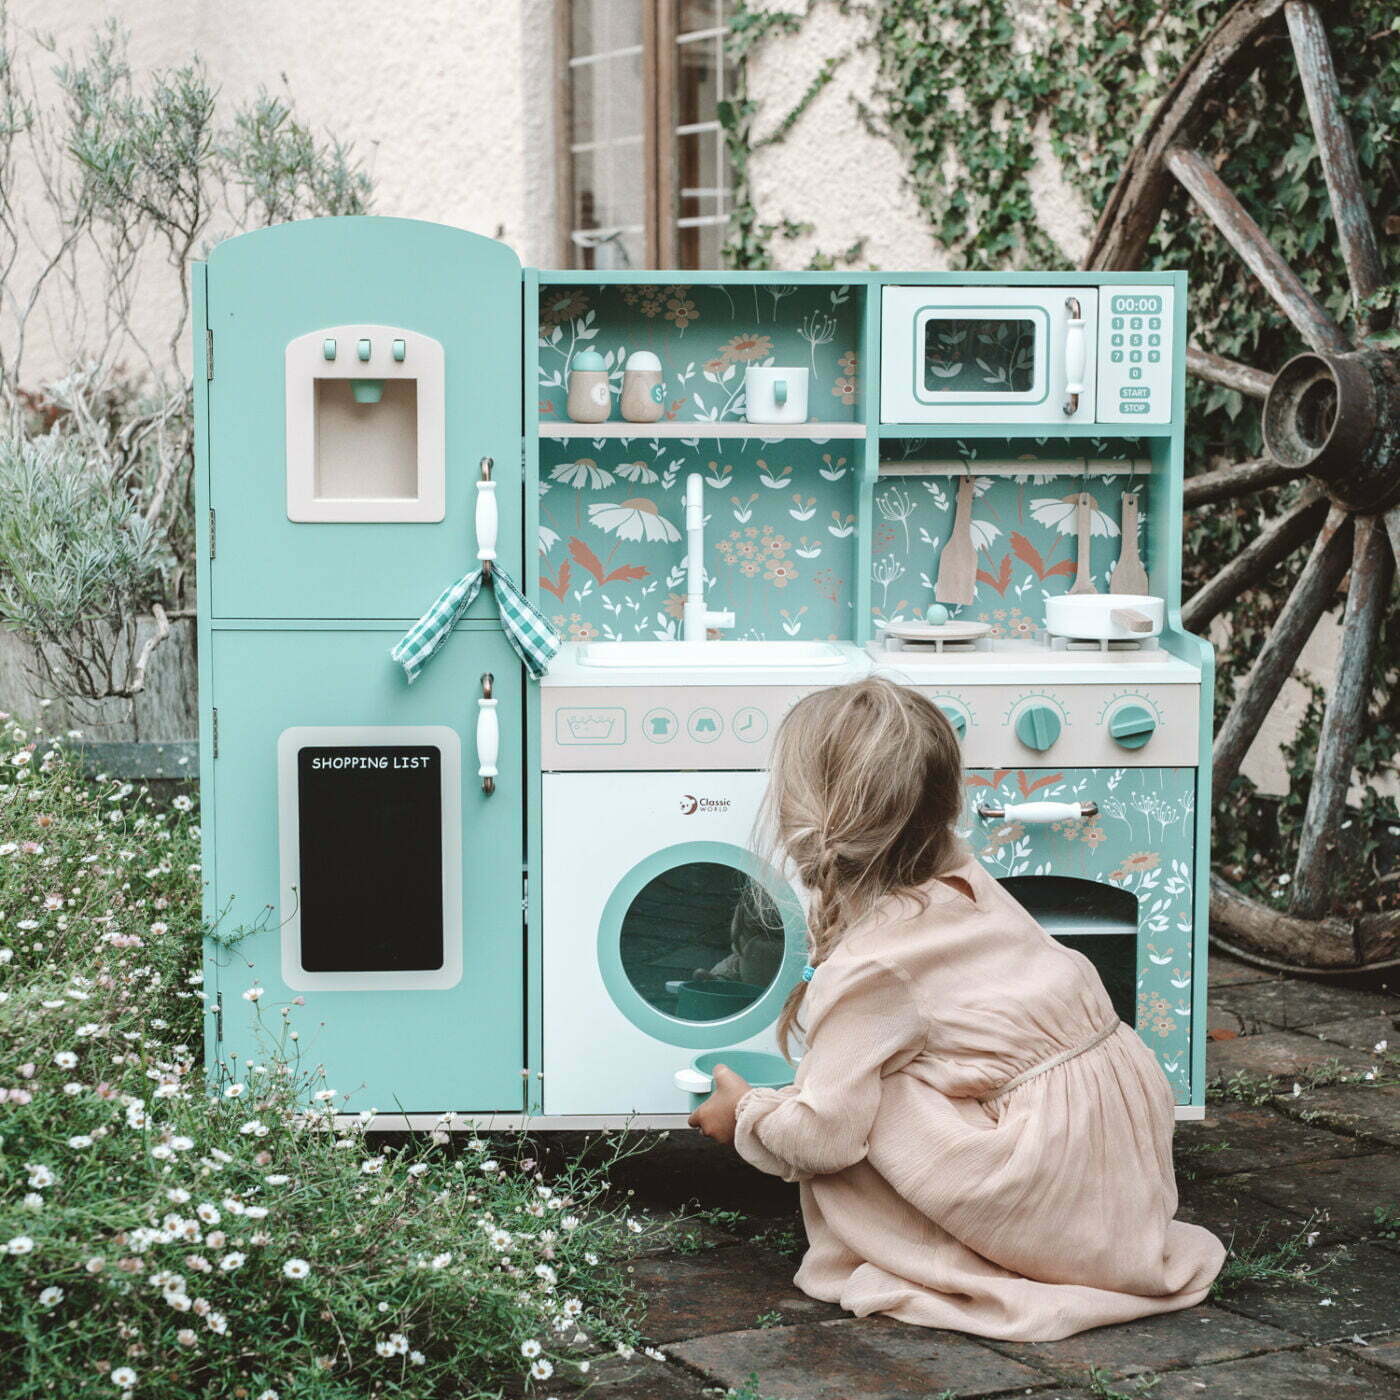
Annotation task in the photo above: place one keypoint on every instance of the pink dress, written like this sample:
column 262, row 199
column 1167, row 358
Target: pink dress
column 936, row 1190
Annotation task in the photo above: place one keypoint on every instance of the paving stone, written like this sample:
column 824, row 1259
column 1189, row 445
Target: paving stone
column 1358, row 1292
column 637, row 1379
column 1290, row 1003
column 1362, row 1033
column 1240, row 1137
column 1169, row 1342
column 1228, row 972
column 1379, row 1351
column 1345, row 1193
column 1366, row 1111
column 872, row 1358
column 1243, row 1221
column 1282, row 1055
column 1318, row 1374
column 721, row 1290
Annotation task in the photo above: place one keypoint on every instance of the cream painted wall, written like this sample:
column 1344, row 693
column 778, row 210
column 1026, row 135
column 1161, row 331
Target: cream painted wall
column 448, row 102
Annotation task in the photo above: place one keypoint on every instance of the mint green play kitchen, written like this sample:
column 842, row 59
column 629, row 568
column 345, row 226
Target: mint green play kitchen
column 508, row 577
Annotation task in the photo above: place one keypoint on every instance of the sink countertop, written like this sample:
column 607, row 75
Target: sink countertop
column 567, row 670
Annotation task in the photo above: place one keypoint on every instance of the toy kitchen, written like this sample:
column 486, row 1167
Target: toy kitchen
column 508, row 577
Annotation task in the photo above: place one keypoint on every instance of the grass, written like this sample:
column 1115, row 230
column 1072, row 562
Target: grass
column 168, row 1239
column 1282, row 1262
column 1101, row 1384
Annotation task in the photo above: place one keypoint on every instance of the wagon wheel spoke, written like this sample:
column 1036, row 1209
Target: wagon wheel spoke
column 1355, row 232
column 1219, row 204
column 1241, row 479
column 1253, row 383
column 1311, row 594
column 1248, row 568
column 1344, row 717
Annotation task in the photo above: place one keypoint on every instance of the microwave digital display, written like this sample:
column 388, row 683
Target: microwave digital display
column 978, row 355
column 1135, row 306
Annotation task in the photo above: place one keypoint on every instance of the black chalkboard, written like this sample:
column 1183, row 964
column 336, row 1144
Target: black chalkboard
column 370, row 841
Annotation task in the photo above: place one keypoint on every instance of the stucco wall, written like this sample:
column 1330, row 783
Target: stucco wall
column 449, row 103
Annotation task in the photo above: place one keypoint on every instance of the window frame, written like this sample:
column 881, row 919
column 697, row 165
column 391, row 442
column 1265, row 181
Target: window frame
column 661, row 203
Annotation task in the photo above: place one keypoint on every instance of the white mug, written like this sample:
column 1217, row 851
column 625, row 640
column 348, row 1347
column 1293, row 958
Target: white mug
column 773, row 394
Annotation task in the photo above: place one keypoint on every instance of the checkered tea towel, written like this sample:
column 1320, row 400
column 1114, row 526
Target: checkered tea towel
column 527, row 629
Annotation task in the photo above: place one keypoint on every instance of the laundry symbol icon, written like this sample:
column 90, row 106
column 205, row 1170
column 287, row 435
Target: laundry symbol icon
column 660, row 724
column 704, row 725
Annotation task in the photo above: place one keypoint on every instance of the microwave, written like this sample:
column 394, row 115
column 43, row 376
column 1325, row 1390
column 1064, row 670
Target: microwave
column 1043, row 355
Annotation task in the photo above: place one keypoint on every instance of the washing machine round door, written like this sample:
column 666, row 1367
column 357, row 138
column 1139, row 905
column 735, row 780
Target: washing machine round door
column 700, row 945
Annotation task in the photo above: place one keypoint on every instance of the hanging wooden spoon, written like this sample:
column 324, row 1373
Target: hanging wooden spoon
column 957, row 565
column 1128, row 575
column 1082, row 582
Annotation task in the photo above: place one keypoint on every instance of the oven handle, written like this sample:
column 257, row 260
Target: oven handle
column 1038, row 812
column 1075, row 354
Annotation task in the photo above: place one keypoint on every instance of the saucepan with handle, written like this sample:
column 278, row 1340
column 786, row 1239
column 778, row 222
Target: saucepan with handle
column 1104, row 617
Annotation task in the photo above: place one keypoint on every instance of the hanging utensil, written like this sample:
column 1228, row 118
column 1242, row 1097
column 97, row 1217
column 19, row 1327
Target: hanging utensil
column 1082, row 582
column 957, row 565
column 1128, row 574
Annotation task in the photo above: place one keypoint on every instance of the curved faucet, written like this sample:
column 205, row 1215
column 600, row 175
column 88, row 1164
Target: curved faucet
column 696, row 617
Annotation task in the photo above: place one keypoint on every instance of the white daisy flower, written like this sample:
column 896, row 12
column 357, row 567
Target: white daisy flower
column 65, row 1059
column 296, row 1268
column 80, row 1140
column 1060, row 513
column 233, row 1091
column 208, row 1212
column 253, row 994
column 124, row 1377
column 51, row 1297
column 637, row 519
column 584, row 474
column 232, row 1261
column 639, row 472
column 384, row 1348
column 21, row 1244
column 530, row 1349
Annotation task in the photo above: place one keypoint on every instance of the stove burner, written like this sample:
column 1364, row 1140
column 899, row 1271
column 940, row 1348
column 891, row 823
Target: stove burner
column 1095, row 644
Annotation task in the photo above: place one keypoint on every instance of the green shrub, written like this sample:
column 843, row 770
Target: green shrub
column 161, row 1242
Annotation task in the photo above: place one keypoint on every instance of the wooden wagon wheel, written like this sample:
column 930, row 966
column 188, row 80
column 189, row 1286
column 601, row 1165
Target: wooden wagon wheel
column 1331, row 415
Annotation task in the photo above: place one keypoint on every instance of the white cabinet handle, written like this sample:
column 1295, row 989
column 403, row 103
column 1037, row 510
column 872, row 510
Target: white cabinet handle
column 1038, row 812
column 488, row 736
column 1075, row 355
column 487, row 517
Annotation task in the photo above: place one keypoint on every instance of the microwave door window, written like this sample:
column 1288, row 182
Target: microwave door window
column 966, row 356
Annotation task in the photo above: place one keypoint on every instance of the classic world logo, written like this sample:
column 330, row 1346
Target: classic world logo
column 690, row 805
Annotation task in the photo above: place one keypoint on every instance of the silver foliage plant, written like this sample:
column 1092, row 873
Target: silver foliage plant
column 110, row 183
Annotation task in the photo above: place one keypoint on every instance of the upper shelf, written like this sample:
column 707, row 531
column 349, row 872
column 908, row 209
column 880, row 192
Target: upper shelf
column 676, row 428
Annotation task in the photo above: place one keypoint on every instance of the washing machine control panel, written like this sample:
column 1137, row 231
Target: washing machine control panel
column 593, row 729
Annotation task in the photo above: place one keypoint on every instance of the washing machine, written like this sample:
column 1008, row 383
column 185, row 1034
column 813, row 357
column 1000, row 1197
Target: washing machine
column 663, row 933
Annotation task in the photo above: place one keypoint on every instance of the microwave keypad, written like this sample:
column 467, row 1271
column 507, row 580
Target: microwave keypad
column 1135, row 354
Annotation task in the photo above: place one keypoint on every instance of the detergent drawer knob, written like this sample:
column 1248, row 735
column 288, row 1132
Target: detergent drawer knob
column 362, row 349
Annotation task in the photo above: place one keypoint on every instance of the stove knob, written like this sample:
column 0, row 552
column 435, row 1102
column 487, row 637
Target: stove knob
column 1132, row 726
column 1038, row 726
column 957, row 719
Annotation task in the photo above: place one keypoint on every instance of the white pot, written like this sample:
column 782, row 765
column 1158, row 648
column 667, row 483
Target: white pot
column 1104, row 617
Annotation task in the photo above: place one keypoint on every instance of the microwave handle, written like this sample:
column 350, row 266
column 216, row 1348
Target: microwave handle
column 1074, row 356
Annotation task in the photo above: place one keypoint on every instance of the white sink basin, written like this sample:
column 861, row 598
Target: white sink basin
column 723, row 656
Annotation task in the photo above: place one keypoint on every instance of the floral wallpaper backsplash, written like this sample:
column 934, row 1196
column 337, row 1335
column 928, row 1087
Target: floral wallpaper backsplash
column 1142, row 841
column 779, row 536
column 705, row 337
column 1023, row 527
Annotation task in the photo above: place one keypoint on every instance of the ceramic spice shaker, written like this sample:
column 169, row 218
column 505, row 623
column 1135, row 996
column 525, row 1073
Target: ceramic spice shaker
column 643, row 395
column 590, row 395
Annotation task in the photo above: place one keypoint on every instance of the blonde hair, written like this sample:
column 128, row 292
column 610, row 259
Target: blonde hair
column 865, row 786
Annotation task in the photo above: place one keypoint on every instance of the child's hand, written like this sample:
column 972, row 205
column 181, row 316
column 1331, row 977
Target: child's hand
column 715, row 1117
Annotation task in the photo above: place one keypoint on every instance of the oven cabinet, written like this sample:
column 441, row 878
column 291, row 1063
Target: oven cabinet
column 988, row 354
column 357, row 871
column 1117, row 886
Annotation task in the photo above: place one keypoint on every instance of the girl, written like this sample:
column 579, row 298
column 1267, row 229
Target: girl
column 981, row 1143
